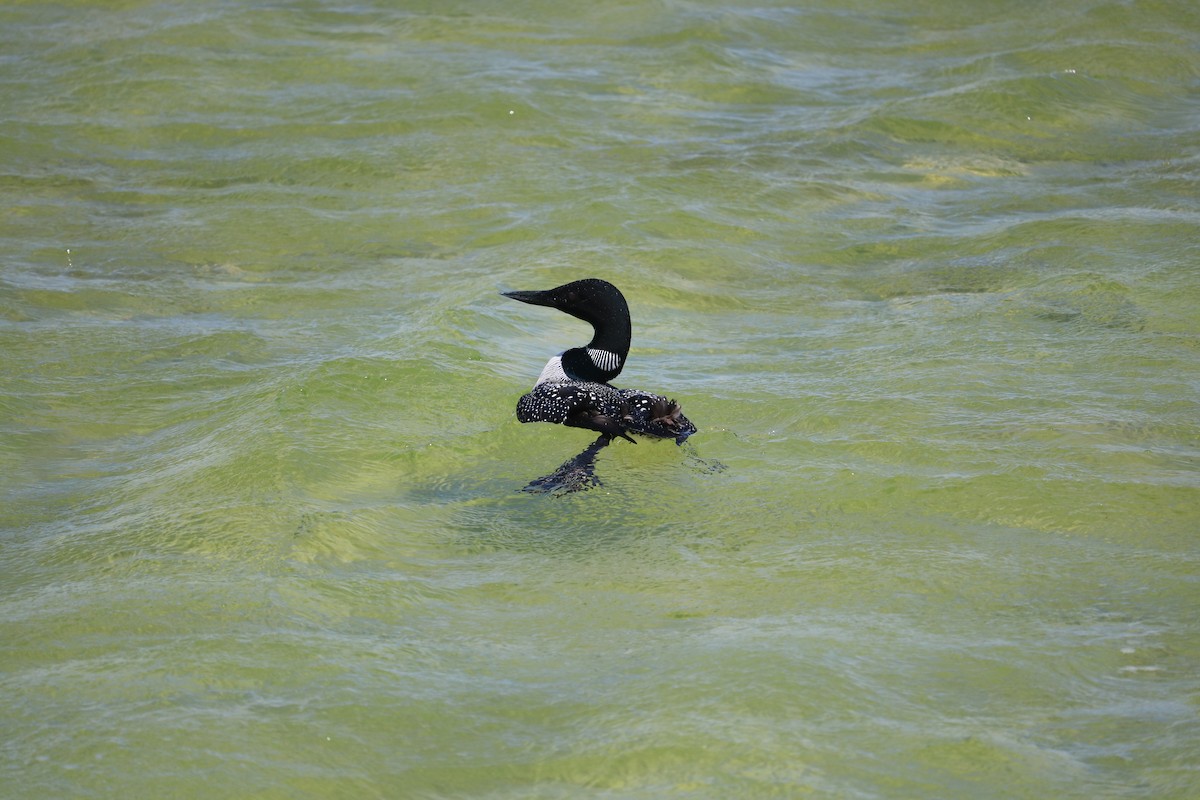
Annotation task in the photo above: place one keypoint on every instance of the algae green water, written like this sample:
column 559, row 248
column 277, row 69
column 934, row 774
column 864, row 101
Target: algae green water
column 925, row 275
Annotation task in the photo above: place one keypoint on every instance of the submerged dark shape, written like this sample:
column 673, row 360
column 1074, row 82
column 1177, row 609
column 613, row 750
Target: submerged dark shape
column 575, row 474
column 573, row 388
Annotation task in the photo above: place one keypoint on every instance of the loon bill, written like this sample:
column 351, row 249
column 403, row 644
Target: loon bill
column 573, row 388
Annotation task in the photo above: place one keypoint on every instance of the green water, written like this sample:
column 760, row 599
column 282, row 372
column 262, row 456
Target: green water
column 925, row 275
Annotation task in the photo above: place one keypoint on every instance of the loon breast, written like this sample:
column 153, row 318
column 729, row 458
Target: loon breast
column 553, row 372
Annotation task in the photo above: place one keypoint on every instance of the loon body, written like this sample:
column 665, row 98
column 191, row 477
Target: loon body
column 573, row 388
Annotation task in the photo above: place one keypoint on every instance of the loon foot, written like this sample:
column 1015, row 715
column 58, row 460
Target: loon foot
column 598, row 421
column 667, row 413
column 575, row 475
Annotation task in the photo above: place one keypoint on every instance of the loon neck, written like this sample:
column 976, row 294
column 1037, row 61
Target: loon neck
column 609, row 347
column 591, row 364
column 601, row 305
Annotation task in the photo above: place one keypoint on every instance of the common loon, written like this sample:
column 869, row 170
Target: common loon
column 573, row 388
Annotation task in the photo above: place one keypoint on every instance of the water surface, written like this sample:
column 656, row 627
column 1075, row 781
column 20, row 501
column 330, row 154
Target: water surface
column 924, row 274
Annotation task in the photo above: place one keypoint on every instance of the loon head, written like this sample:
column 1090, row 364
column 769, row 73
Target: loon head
column 601, row 304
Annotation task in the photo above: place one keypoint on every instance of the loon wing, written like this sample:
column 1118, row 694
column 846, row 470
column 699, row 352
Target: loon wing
column 577, row 406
